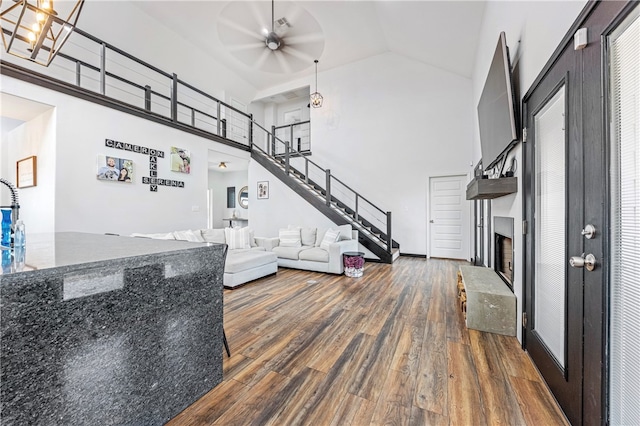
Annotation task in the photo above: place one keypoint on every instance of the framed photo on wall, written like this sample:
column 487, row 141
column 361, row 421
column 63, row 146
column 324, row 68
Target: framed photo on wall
column 114, row 169
column 27, row 172
column 263, row 190
column 180, row 160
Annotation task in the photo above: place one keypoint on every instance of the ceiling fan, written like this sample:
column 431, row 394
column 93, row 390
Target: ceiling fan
column 257, row 38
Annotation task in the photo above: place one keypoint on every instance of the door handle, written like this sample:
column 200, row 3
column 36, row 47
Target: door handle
column 588, row 261
column 431, row 221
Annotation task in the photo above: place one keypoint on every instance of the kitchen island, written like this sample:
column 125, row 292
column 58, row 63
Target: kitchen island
column 100, row 329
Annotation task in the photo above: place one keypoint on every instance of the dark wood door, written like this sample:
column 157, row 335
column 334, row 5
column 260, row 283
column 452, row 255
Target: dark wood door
column 565, row 191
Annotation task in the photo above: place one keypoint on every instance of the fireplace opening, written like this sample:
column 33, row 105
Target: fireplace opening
column 503, row 249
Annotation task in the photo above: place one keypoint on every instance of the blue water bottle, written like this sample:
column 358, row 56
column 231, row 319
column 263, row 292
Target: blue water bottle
column 6, row 228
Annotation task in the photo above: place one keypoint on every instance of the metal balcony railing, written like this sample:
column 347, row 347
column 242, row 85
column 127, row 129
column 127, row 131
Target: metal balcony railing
column 298, row 134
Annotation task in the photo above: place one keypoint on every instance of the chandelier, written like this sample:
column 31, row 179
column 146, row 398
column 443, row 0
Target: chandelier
column 34, row 30
column 316, row 97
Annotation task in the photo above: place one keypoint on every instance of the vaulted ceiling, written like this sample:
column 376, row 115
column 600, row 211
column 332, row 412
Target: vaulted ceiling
column 439, row 33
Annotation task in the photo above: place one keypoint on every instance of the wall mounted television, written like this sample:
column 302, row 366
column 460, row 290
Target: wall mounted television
column 496, row 108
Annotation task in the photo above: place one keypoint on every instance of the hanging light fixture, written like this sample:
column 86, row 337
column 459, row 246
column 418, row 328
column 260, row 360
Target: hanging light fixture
column 34, row 30
column 316, row 97
column 222, row 165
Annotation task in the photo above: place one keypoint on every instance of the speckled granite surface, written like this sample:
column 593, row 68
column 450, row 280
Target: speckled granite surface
column 109, row 330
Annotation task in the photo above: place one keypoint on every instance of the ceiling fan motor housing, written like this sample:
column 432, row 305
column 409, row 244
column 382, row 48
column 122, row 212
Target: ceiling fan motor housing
column 272, row 41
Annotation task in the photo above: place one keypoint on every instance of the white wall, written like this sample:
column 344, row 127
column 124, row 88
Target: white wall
column 84, row 203
column 283, row 207
column 37, row 203
column 534, row 30
column 218, row 183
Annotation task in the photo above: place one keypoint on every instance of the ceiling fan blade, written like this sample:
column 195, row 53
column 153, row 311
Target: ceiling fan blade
column 260, row 17
column 298, row 54
column 304, row 38
column 262, row 59
column 246, row 46
column 244, row 26
column 240, row 28
column 282, row 61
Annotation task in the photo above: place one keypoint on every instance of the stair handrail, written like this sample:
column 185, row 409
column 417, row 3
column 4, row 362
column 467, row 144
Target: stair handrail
column 272, row 139
column 292, row 126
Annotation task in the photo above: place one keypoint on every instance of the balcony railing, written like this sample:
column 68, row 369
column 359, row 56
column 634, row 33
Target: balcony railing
column 298, row 134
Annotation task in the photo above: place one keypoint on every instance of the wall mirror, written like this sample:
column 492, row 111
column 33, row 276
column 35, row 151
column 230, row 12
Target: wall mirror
column 231, row 197
column 243, row 197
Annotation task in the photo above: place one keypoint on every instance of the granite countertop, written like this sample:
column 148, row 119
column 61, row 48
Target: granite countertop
column 53, row 250
column 109, row 330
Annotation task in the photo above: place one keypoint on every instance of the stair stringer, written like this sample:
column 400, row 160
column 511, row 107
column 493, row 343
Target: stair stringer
column 319, row 203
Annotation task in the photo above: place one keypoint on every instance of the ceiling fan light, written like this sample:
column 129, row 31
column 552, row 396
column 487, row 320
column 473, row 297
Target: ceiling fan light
column 273, row 41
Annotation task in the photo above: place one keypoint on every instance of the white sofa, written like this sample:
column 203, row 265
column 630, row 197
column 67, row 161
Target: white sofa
column 245, row 260
column 311, row 248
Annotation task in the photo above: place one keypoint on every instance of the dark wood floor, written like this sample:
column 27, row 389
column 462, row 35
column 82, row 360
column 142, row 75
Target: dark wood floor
column 390, row 348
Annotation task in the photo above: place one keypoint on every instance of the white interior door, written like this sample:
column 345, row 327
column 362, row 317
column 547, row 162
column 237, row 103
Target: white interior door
column 448, row 225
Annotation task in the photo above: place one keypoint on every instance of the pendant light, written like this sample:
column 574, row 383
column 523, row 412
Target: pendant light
column 32, row 29
column 316, row 97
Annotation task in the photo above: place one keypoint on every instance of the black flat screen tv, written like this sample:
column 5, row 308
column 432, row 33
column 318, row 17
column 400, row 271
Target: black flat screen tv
column 496, row 108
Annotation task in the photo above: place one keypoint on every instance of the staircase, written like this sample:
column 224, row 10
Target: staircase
column 191, row 110
column 320, row 188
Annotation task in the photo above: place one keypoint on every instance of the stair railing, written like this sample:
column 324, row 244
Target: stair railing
column 95, row 66
column 299, row 134
column 347, row 201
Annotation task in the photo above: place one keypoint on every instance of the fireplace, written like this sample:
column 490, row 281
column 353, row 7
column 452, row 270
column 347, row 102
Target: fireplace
column 503, row 248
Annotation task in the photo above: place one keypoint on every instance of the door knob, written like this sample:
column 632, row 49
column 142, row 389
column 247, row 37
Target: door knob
column 431, row 221
column 588, row 261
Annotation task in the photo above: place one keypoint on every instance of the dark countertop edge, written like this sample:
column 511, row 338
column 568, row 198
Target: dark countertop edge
column 30, row 274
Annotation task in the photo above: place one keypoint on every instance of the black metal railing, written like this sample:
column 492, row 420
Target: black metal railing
column 91, row 64
column 298, row 134
column 358, row 210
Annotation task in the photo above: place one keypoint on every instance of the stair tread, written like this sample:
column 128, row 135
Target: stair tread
column 373, row 238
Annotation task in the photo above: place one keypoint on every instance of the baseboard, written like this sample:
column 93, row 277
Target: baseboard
column 423, row 256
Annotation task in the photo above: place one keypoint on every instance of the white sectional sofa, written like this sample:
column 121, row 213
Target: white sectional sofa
column 245, row 260
column 311, row 248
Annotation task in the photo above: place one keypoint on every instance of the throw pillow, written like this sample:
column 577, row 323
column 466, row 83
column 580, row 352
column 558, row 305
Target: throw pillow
column 214, row 235
column 189, row 235
column 319, row 236
column 290, row 237
column 345, row 232
column 308, row 236
column 237, row 238
column 330, row 237
column 252, row 238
